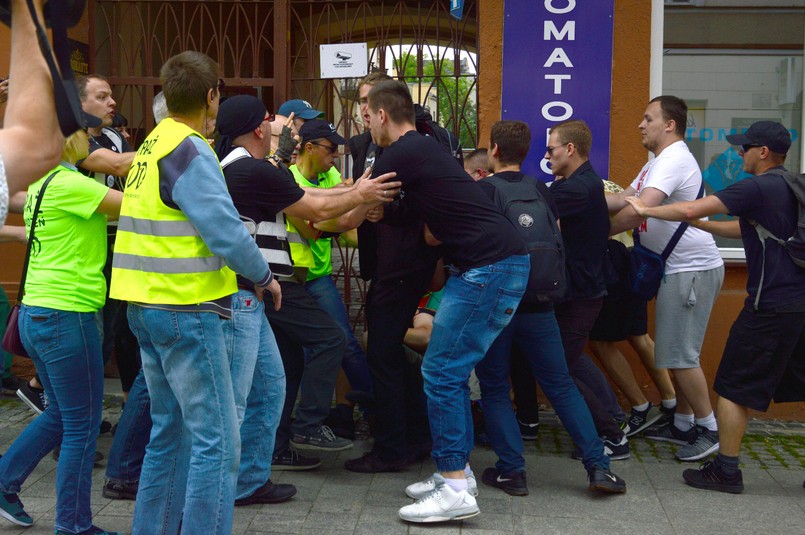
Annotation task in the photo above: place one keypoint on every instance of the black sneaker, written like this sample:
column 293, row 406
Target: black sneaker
column 639, row 421
column 603, row 480
column 617, row 451
column 342, row 421
column 710, row 477
column 117, row 490
column 513, row 483
column 57, row 450
column 269, row 493
column 528, row 431
column 370, row 463
column 322, row 439
column 292, row 461
column 666, row 415
column 671, row 433
column 35, row 398
column 11, row 384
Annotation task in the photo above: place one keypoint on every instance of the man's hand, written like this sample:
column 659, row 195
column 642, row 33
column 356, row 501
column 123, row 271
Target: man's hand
column 287, row 142
column 375, row 214
column 378, row 190
column 637, row 204
column 274, row 289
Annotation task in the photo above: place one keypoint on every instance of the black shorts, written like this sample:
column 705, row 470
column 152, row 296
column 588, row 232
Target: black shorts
column 620, row 318
column 764, row 359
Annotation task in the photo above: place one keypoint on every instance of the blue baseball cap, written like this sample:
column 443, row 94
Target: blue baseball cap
column 300, row 108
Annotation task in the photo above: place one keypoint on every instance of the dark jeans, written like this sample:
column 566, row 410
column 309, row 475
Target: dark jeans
column 301, row 324
column 576, row 318
column 133, row 430
column 401, row 422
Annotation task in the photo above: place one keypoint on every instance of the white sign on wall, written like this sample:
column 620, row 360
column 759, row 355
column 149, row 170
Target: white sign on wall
column 345, row 60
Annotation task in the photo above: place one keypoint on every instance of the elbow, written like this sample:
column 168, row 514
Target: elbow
column 689, row 213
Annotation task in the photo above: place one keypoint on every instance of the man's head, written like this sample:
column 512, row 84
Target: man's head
column 191, row 85
column 121, row 124
column 365, row 85
column 96, row 97
column 243, row 121
column 319, row 144
column 476, row 164
column 764, row 145
column 568, row 147
column 508, row 144
column 664, row 122
column 390, row 110
column 302, row 111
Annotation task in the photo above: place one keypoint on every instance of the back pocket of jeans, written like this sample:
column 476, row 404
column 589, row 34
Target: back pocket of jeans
column 504, row 308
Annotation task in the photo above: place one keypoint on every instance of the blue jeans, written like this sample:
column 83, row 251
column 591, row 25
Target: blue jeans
column 133, row 429
column 354, row 363
column 536, row 334
column 258, row 379
column 66, row 350
column 476, row 305
column 191, row 462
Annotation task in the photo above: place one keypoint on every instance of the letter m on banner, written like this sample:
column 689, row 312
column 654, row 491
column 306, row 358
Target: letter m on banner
column 557, row 65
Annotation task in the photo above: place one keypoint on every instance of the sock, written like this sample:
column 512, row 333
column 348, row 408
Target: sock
column 467, row 470
column 640, row 408
column 728, row 465
column 683, row 422
column 457, row 484
column 708, row 421
column 669, row 403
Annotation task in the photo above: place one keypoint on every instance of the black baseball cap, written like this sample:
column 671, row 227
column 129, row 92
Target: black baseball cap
column 318, row 129
column 764, row 134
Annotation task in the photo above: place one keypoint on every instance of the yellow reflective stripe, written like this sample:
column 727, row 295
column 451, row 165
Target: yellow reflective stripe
column 150, row 227
column 153, row 264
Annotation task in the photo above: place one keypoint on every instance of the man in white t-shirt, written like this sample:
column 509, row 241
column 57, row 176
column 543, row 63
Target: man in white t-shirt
column 693, row 273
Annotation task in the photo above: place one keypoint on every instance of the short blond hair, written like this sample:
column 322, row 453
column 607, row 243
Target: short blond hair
column 76, row 147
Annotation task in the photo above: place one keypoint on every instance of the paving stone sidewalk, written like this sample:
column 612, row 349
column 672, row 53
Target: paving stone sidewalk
column 332, row 500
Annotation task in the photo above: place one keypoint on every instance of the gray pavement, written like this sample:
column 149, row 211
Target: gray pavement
column 333, row 501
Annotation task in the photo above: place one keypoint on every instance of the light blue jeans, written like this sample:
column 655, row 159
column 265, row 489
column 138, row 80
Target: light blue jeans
column 191, row 462
column 476, row 305
column 258, row 379
column 66, row 350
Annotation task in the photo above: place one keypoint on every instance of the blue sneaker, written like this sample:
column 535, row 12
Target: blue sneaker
column 12, row 510
column 93, row 530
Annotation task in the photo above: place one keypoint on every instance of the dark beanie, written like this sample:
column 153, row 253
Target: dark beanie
column 236, row 116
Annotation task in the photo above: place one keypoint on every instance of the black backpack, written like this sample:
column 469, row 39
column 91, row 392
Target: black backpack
column 426, row 126
column 531, row 215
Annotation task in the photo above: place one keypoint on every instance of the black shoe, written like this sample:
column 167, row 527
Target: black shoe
column 322, row 439
column 529, row 431
column 603, row 480
column 117, row 490
column 57, row 451
column 639, row 421
column 671, row 433
column 617, row 451
column 269, row 493
column 35, row 398
column 370, row 463
column 292, row 461
column 106, row 426
column 513, row 483
column 342, row 421
column 710, row 477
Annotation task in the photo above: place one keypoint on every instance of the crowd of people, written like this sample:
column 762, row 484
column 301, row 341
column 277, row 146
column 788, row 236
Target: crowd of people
column 202, row 261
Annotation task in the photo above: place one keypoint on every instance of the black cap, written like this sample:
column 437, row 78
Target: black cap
column 239, row 114
column 764, row 134
column 319, row 129
column 90, row 121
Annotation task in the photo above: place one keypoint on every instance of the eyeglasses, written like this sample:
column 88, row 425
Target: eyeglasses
column 221, row 84
column 269, row 117
column 550, row 149
column 745, row 148
column 332, row 148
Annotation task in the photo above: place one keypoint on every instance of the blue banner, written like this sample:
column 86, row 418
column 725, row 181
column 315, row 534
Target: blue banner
column 557, row 65
column 457, row 8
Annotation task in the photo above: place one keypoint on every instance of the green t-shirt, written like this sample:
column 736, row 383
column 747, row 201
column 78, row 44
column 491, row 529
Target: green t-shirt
column 323, row 247
column 69, row 250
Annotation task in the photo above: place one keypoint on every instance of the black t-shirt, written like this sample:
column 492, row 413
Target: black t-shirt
column 438, row 190
column 259, row 190
column 768, row 200
column 584, row 219
column 112, row 140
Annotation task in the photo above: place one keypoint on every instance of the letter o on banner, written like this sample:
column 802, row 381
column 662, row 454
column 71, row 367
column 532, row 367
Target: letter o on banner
column 543, row 164
column 571, row 5
column 546, row 111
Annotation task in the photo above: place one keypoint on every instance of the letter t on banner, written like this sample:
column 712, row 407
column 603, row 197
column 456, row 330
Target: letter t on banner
column 456, row 8
column 557, row 65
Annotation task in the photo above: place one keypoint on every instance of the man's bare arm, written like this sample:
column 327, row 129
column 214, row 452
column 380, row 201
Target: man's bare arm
column 725, row 229
column 627, row 218
column 109, row 162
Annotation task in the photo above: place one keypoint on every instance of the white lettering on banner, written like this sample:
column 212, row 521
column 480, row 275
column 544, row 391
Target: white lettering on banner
column 557, row 81
column 551, row 31
column 571, row 5
column 543, row 163
column 558, row 56
column 568, row 111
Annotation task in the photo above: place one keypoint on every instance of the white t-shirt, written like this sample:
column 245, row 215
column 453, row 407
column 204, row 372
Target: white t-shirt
column 676, row 173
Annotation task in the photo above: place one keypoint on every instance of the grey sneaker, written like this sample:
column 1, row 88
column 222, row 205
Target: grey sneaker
column 441, row 505
column 671, row 433
column 639, row 421
column 322, row 439
column 705, row 444
column 422, row 488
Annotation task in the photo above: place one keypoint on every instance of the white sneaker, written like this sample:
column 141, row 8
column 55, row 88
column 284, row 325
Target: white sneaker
column 422, row 488
column 441, row 505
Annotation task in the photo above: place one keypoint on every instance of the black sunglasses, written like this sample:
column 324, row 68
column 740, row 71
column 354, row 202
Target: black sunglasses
column 745, row 148
column 332, row 148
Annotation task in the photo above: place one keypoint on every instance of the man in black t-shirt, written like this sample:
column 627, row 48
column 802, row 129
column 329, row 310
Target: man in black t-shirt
column 764, row 357
column 490, row 271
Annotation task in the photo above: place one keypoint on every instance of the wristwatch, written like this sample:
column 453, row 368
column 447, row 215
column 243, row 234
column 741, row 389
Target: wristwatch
column 274, row 158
